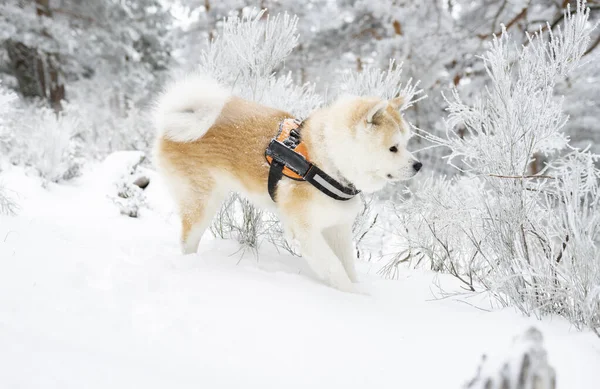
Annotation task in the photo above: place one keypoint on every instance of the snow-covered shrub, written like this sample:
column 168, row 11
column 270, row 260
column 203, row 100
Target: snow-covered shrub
column 434, row 220
column 8, row 203
column 135, row 131
column 45, row 140
column 240, row 220
column 527, row 234
column 572, row 241
column 126, row 181
column 38, row 137
column 129, row 198
column 115, row 119
column 7, row 99
column 364, row 226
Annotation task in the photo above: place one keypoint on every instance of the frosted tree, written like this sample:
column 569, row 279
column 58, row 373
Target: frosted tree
column 529, row 237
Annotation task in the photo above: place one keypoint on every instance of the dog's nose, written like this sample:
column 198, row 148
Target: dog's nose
column 417, row 166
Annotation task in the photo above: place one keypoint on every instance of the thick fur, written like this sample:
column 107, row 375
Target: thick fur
column 210, row 143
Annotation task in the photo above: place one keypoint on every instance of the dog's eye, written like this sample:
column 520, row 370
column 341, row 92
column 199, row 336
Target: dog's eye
column 394, row 149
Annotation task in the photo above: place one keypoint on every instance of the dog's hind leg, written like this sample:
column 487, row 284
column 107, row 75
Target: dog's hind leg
column 197, row 212
column 339, row 239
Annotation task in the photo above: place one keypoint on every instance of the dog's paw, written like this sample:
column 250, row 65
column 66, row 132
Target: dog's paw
column 352, row 275
column 343, row 283
column 346, row 288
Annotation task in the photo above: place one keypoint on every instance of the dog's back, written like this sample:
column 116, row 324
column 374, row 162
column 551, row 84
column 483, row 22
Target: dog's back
column 202, row 129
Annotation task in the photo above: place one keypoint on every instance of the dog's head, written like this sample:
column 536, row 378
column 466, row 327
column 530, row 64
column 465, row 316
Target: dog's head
column 370, row 149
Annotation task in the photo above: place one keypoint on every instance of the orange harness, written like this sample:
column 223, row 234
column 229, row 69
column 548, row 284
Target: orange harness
column 287, row 156
column 285, row 133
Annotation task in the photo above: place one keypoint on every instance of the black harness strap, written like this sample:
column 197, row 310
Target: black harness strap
column 283, row 155
column 275, row 174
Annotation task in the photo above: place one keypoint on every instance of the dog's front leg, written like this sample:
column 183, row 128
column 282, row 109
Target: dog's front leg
column 322, row 259
column 339, row 239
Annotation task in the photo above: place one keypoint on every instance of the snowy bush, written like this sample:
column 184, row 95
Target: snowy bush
column 46, row 141
column 129, row 198
column 528, row 233
column 117, row 118
column 364, row 227
column 240, row 220
column 7, row 99
column 126, row 181
column 8, row 203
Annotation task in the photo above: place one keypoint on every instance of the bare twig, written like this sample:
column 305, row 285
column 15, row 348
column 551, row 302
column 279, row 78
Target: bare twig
column 521, row 177
column 593, row 46
column 508, row 25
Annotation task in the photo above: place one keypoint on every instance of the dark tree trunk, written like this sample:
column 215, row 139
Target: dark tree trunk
column 28, row 68
column 42, row 8
column 38, row 73
column 57, row 88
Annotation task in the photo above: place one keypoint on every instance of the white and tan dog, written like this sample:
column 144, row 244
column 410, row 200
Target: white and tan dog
column 211, row 143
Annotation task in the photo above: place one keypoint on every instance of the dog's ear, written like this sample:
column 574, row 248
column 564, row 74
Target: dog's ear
column 374, row 115
column 397, row 103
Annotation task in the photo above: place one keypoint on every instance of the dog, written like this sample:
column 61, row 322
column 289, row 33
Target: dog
column 211, row 143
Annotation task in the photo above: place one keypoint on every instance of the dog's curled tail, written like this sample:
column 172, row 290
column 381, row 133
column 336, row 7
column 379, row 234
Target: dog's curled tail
column 189, row 107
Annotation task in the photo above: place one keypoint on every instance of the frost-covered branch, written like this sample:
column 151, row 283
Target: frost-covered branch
column 386, row 84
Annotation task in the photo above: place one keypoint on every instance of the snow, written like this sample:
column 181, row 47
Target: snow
column 91, row 298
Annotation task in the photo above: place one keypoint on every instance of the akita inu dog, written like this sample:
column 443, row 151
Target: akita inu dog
column 211, row 143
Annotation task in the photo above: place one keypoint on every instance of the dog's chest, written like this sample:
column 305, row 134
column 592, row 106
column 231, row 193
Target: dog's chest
column 327, row 212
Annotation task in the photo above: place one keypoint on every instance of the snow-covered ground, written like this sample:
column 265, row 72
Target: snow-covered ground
column 93, row 299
